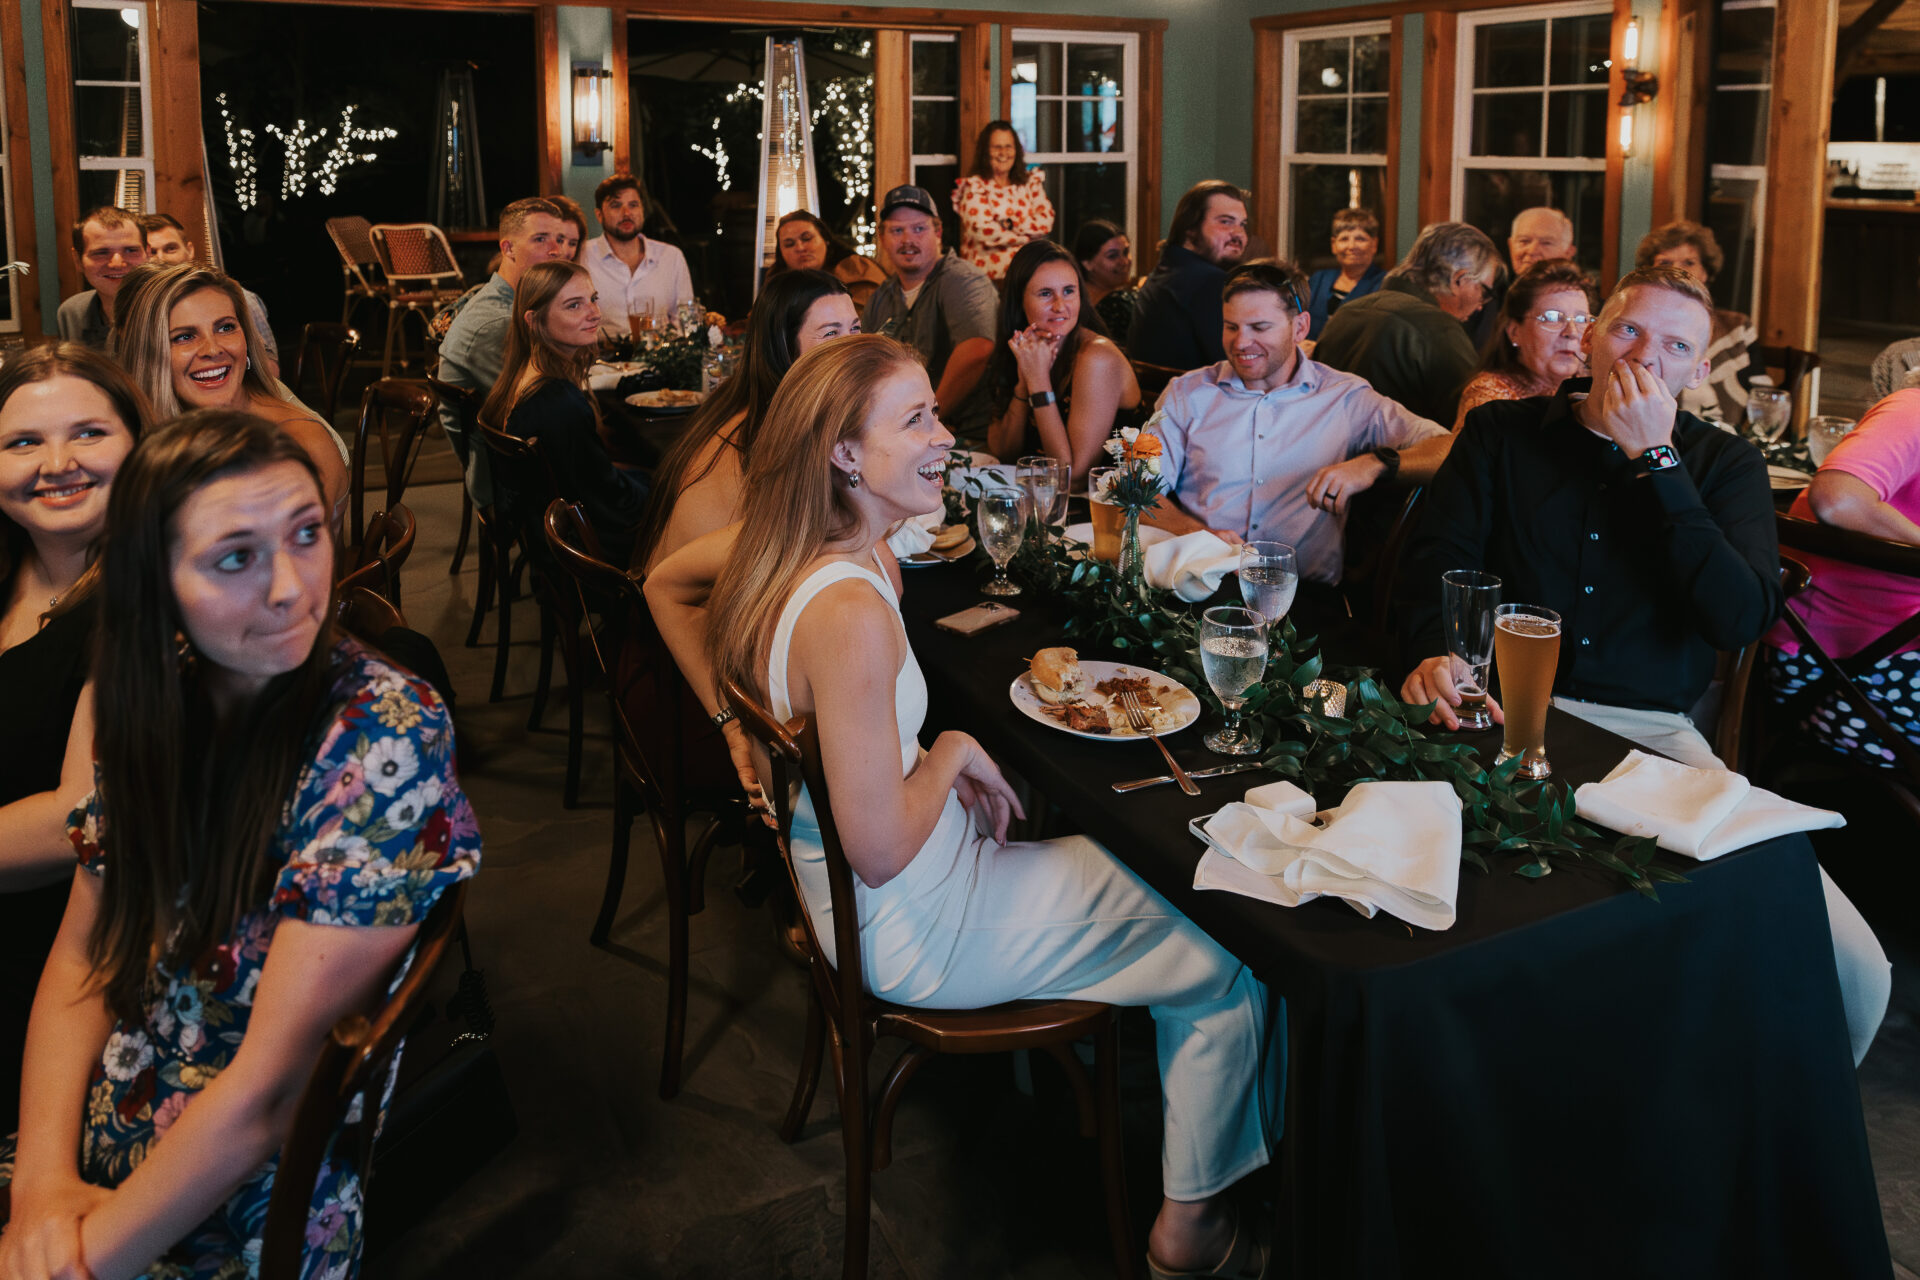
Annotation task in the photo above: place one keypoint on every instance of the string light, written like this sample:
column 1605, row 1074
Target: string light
column 240, row 157
column 847, row 104
column 296, row 144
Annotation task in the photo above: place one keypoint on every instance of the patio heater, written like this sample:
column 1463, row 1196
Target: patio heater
column 786, row 145
column 456, row 188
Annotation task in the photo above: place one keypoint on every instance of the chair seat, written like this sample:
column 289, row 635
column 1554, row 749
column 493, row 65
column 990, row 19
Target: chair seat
column 1017, row 1025
column 422, row 297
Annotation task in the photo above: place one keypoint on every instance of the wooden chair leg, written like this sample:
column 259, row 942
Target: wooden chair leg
column 576, row 662
column 466, row 528
column 895, row 1084
column 669, row 829
column 544, row 684
column 1083, row 1089
column 488, row 585
column 393, row 332
column 1113, row 1170
column 503, row 632
column 809, row 1078
column 623, row 807
column 858, row 1144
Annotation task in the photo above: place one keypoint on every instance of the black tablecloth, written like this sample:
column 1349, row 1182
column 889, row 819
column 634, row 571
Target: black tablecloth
column 1572, row 1081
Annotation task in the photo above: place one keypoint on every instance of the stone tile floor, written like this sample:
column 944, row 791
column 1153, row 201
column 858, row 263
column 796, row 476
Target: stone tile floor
column 606, row 1180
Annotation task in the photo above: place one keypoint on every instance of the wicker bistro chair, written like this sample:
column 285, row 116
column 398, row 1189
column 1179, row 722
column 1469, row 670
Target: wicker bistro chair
column 352, row 1071
column 1893, row 364
column 465, row 403
column 398, row 413
column 326, row 353
column 669, row 763
column 359, row 265
column 421, row 274
column 841, row 1007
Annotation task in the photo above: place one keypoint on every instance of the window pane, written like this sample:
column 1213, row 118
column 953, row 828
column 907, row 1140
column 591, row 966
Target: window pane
column 1372, row 62
column 1745, row 55
column 1738, row 127
column 936, row 67
column 1081, row 192
column 1038, row 65
column 106, row 122
column 1323, row 66
column 1581, row 52
column 1577, row 124
column 1730, row 214
column 937, row 181
column 1509, row 54
column 936, row 129
column 1096, row 68
column 1322, row 127
column 123, row 187
column 1037, row 123
column 104, row 47
column 1094, row 126
column 1494, row 196
column 1318, row 192
column 1370, row 126
column 1506, row 124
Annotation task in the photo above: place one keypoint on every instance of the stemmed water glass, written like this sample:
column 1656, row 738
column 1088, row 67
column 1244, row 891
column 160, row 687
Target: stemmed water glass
column 1045, row 480
column 1769, row 410
column 1233, row 654
column 1269, row 577
column 1001, row 514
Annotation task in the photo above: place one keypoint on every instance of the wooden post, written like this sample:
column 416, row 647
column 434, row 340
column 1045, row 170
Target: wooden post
column 179, row 175
column 622, row 109
column 892, row 112
column 1803, row 50
column 1269, row 51
column 553, row 89
column 1436, row 118
column 20, row 160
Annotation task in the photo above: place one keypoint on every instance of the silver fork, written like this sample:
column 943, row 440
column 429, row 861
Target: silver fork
column 1142, row 722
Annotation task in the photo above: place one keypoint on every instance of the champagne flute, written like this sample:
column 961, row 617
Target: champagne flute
column 1269, row 577
column 1001, row 514
column 1233, row 654
column 1044, row 479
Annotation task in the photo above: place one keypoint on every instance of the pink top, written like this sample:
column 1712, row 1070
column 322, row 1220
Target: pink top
column 1848, row 607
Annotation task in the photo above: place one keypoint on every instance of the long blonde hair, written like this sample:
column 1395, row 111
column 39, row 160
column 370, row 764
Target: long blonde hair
column 144, row 349
column 532, row 344
column 795, row 502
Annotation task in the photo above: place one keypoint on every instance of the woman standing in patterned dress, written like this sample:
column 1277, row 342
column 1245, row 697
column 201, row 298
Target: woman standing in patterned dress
column 275, row 812
column 1002, row 204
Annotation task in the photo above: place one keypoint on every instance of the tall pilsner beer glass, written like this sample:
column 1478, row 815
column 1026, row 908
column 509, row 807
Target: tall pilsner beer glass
column 1526, row 650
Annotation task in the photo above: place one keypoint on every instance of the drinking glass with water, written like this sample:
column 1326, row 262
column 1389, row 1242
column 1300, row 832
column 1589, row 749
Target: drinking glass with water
column 1467, row 601
column 1045, row 481
column 1233, row 655
column 1769, row 410
column 1001, row 514
column 1269, row 578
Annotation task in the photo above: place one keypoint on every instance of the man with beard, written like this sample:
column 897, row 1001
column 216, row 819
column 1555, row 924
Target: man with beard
column 107, row 243
column 634, row 275
column 1176, row 321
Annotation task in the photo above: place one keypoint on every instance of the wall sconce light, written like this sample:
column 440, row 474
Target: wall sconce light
column 592, row 108
column 1642, row 86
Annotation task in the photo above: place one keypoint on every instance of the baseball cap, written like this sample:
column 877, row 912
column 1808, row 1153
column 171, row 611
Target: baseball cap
column 909, row 198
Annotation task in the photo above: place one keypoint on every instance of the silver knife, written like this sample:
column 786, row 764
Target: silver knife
column 1217, row 772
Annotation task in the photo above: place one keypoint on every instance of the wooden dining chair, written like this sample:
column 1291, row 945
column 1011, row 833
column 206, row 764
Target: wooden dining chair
column 523, row 488
column 1153, row 379
column 842, row 1008
column 365, row 614
column 325, row 354
column 1793, row 363
column 660, row 769
column 397, row 413
column 465, row 404
column 351, row 1075
column 376, row 563
column 1736, row 729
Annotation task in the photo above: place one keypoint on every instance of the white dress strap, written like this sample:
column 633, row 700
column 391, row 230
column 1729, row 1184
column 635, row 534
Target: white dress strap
column 812, row 585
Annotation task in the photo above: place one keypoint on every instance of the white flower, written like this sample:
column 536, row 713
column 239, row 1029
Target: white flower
column 1152, row 465
column 1114, row 447
column 1129, row 434
column 412, row 808
column 127, row 1055
column 390, row 764
column 1153, row 424
column 715, row 338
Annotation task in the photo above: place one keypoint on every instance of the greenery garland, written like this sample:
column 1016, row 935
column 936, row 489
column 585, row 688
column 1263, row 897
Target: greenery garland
column 1379, row 738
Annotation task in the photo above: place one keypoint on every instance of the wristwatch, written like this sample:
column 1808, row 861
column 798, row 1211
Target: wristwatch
column 1390, row 459
column 1659, row 458
column 721, row 716
column 1040, row 399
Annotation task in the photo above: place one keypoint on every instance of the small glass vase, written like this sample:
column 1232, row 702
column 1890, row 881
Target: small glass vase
column 1129, row 570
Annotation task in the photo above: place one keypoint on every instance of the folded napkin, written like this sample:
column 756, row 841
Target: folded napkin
column 1191, row 565
column 605, row 377
column 915, row 535
column 1391, row 846
column 1701, row 813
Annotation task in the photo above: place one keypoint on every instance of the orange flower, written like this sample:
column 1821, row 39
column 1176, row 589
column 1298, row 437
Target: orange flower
column 1144, row 446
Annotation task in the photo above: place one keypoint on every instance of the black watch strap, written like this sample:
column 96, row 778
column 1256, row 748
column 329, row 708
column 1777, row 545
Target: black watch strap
column 1659, row 458
column 1390, row 459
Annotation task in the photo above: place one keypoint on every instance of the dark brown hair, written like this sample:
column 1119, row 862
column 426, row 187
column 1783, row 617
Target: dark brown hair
column 613, row 184
column 1676, row 234
column 190, row 800
column 838, row 250
column 529, row 344
column 1192, row 209
column 108, row 216
column 1550, row 275
column 1003, row 372
column 983, row 162
column 1356, row 219
column 1268, row 275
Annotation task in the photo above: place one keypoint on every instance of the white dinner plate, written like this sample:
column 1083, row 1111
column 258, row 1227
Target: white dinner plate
column 1150, row 535
column 1788, row 478
column 1182, row 706
column 928, row 558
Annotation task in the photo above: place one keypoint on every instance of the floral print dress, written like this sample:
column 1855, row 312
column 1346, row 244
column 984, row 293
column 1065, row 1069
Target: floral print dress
column 378, row 828
column 995, row 221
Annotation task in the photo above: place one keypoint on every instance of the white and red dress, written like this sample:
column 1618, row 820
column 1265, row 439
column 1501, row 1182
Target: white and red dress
column 996, row 220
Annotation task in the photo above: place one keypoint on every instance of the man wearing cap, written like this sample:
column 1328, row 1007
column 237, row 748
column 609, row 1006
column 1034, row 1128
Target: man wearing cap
column 938, row 304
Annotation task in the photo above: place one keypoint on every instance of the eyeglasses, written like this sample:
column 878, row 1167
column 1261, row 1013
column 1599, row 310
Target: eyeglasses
column 1561, row 319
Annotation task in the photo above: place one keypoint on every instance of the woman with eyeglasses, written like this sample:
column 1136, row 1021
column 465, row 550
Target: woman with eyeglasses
column 1536, row 343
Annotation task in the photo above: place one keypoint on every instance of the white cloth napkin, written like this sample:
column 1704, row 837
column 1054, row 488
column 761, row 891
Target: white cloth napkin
column 1191, row 565
column 605, row 377
column 1391, row 846
column 1700, row 813
column 915, row 535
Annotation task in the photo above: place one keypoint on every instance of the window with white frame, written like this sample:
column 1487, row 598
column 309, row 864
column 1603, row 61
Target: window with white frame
column 112, row 116
column 1531, row 119
column 934, row 91
column 10, row 282
column 1072, row 101
column 1737, row 114
column 1333, row 131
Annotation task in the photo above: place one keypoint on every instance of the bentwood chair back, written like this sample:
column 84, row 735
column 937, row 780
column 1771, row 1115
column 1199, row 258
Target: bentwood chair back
column 857, row 1020
column 359, row 266
column 1153, row 379
column 381, row 555
column 1794, row 366
column 352, row 1071
column 421, row 276
column 326, row 353
column 658, row 769
column 365, row 614
column 1734, row 733
column 398, row 413
column 523, row 488
column 465, row 404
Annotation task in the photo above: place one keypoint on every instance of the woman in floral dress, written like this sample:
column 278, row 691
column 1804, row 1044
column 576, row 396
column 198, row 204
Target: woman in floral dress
column 275, row 812
column 1002, row 204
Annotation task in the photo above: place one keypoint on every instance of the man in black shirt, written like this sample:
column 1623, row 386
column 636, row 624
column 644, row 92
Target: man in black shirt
column 1176, row 317
column 1649, row 531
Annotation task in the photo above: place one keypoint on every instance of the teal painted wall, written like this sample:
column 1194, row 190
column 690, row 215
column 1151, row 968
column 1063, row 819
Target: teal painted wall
column 586, row 35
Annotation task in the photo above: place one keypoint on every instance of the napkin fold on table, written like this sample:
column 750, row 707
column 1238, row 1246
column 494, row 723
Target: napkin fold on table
column 915, row 535
column 605, row 377
column 1390, row 846
column 1699, row 813
column 1191, row 565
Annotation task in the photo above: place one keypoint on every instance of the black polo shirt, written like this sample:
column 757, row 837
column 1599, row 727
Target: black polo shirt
column 1650, row 574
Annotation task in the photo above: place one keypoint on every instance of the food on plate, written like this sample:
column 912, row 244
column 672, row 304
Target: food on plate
column 668, row 399
column 1114, row 686
column 1056, row 676
column 1081, row 718
column 950, row 537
